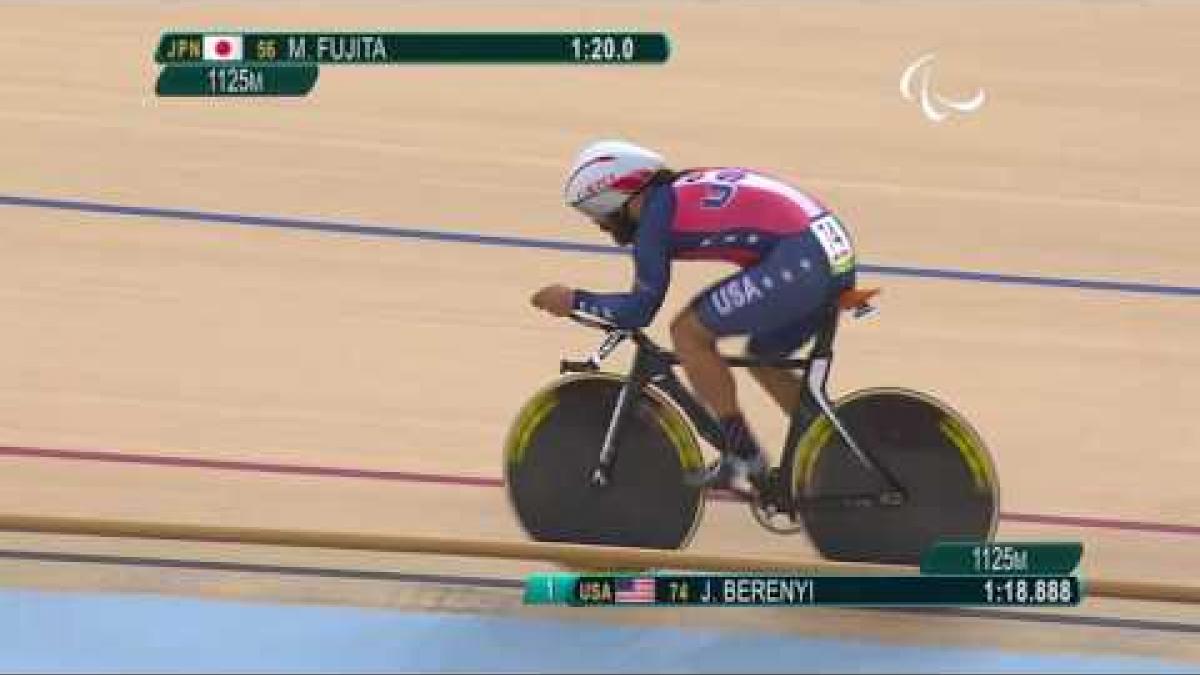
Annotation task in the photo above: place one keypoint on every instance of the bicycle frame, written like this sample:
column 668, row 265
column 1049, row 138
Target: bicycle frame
column 655, row 366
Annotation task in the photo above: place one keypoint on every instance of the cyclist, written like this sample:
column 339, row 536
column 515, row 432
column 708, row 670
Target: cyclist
column 795, row 258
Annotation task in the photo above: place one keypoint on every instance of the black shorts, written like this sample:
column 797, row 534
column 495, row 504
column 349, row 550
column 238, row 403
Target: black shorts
column 779, row 302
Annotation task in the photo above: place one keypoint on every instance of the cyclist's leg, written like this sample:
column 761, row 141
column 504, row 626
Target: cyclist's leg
column 696, row 346
column 783, row 386
column 790, row 282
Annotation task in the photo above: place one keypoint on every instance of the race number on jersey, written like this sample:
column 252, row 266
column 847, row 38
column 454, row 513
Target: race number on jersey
column 835, row 241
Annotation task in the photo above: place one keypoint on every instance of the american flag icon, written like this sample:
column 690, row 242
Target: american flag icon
column 634, row 590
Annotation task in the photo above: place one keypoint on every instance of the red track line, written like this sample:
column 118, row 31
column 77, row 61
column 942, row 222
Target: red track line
column 237, row 465
column 480, row 481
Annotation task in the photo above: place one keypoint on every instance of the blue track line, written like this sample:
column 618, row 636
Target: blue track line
column 555, row 245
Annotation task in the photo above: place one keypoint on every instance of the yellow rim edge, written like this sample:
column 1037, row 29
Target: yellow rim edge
column 809, row 447
column 961, row 439
column 527, row 420
column 669, row 418
column 681, row 437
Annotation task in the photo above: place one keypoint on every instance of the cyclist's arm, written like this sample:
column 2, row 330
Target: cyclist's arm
column 652, row 270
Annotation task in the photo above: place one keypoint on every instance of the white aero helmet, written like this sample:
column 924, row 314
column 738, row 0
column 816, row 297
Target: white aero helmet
column 607, row 173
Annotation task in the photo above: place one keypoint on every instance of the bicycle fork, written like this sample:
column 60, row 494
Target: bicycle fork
column 602, row 474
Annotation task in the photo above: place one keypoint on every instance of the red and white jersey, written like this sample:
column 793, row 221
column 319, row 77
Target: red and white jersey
column 734, row 215
column 725, row 213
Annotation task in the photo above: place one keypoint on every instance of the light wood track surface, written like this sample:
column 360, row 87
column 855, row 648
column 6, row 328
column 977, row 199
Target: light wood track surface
column 168, row 337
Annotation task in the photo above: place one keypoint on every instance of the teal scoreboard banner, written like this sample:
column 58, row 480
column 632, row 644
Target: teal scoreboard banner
column 229, row 80
column 586, row 47
column 1037, row 557
column 830, row 591
column 235, row 63
column 959, row 574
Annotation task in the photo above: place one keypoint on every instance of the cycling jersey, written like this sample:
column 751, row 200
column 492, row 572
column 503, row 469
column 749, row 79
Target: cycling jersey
column 738, row 216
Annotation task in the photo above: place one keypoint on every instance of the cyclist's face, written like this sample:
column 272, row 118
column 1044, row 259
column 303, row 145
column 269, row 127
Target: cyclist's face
column 606, row 223
column 622, row 224
column 617, row 227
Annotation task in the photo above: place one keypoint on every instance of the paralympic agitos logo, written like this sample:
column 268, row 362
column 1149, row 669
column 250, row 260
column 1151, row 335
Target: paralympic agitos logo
column 916, row 85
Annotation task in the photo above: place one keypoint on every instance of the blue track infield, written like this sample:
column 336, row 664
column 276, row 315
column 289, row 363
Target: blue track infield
column 554, row 245
column 103, row 633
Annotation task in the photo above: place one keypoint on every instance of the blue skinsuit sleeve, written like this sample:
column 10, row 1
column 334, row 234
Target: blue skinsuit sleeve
column 652, row 269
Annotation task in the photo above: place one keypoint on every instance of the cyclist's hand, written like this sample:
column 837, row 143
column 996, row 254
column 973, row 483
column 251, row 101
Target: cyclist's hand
column 556, row 299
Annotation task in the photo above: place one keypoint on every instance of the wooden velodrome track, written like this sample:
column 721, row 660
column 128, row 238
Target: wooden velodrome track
column 167, row 337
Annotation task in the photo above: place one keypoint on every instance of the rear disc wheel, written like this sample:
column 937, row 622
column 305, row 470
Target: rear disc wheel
column 939, row 460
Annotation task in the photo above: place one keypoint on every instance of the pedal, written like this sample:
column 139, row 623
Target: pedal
column 774, row 520
column 769, row 506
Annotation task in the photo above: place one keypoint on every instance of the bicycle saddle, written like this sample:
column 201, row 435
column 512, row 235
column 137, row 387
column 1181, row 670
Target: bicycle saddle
column 858, row 300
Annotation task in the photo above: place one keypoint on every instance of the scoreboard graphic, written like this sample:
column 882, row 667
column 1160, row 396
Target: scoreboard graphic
column 231, row 63
column 961, row 574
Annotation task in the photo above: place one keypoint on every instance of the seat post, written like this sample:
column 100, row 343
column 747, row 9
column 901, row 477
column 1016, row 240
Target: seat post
column 814, row 397
column 823, row 344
